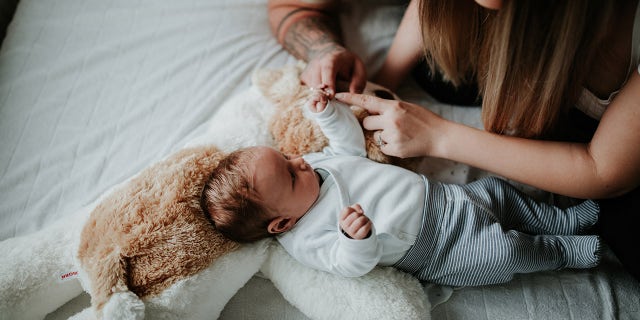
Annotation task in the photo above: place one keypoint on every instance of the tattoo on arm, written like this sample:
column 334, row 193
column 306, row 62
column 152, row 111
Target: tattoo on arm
column 312, row 37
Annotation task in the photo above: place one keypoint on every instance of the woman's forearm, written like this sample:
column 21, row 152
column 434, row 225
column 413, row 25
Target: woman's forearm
column 305, row 30
column 607, row 166
column 559, row 167
column 405, row 51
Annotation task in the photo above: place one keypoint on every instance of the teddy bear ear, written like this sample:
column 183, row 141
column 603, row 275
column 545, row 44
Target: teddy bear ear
column 279, row 85
column 263, row 79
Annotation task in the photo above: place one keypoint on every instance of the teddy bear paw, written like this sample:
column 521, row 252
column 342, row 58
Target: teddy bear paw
column 124, row 305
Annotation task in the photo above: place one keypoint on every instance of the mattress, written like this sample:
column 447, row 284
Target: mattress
column 93, row 91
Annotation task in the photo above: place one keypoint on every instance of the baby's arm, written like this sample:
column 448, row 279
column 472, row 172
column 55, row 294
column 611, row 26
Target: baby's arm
column 324, row 244
column 354, row 223
column 339, row 125
column 358, row 249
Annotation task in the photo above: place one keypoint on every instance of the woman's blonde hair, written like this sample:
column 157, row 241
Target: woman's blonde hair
column 529, row 58
column 232, row 204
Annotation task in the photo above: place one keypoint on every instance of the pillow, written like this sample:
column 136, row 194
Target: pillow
column 383, row 293
column 190, row 299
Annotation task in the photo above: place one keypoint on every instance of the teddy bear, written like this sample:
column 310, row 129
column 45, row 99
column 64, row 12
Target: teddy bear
column 145, row 249
column 140, row 251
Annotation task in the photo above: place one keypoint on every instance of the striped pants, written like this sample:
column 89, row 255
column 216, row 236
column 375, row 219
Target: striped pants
column 487, row 231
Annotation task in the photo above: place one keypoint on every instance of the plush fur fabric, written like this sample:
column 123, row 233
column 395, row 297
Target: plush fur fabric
column 152, row 232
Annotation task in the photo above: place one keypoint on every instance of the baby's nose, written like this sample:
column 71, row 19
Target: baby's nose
column 303, row 164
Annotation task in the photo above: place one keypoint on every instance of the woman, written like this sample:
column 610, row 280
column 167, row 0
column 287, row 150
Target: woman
column 533, row 60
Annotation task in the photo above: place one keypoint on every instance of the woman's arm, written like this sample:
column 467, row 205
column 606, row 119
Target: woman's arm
column 405, row 51
column 304, row 28
column 309, row 30
column 606, row 167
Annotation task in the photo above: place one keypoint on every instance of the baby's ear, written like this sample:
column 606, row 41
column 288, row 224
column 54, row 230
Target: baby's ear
column 280, row 225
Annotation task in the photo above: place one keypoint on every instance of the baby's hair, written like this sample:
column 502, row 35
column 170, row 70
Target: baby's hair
column 231, row 203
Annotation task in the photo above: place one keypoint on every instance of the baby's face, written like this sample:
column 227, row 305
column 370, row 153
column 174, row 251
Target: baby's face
column 288, row 185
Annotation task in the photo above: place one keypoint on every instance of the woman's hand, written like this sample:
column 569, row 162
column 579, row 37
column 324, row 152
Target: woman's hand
column 354, row 223
column 331, row 64
column 403, row 129
column 310, row 31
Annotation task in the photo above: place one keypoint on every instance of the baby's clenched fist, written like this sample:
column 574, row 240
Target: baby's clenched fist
column 354, row 223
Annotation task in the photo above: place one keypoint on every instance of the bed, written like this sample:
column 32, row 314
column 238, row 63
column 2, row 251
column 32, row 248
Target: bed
column 93, row 91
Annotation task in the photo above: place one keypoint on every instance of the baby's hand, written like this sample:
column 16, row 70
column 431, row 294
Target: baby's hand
column 354, row 223
column 318, row 100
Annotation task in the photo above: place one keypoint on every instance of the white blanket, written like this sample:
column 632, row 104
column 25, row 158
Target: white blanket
column 92, row 91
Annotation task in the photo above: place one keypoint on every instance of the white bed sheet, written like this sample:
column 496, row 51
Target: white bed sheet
column 92, row 91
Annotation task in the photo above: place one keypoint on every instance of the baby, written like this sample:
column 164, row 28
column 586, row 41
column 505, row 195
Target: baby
column 340, row 212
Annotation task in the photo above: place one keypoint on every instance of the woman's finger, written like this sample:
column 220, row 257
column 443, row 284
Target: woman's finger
column 312, row 75
column 374, row 122
column 372, row 104
column 379, row 139
column 328, row 75
column 358, row 78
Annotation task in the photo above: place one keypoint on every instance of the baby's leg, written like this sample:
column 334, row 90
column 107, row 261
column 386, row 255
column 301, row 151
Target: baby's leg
column 516, row 210
column 496, row 257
